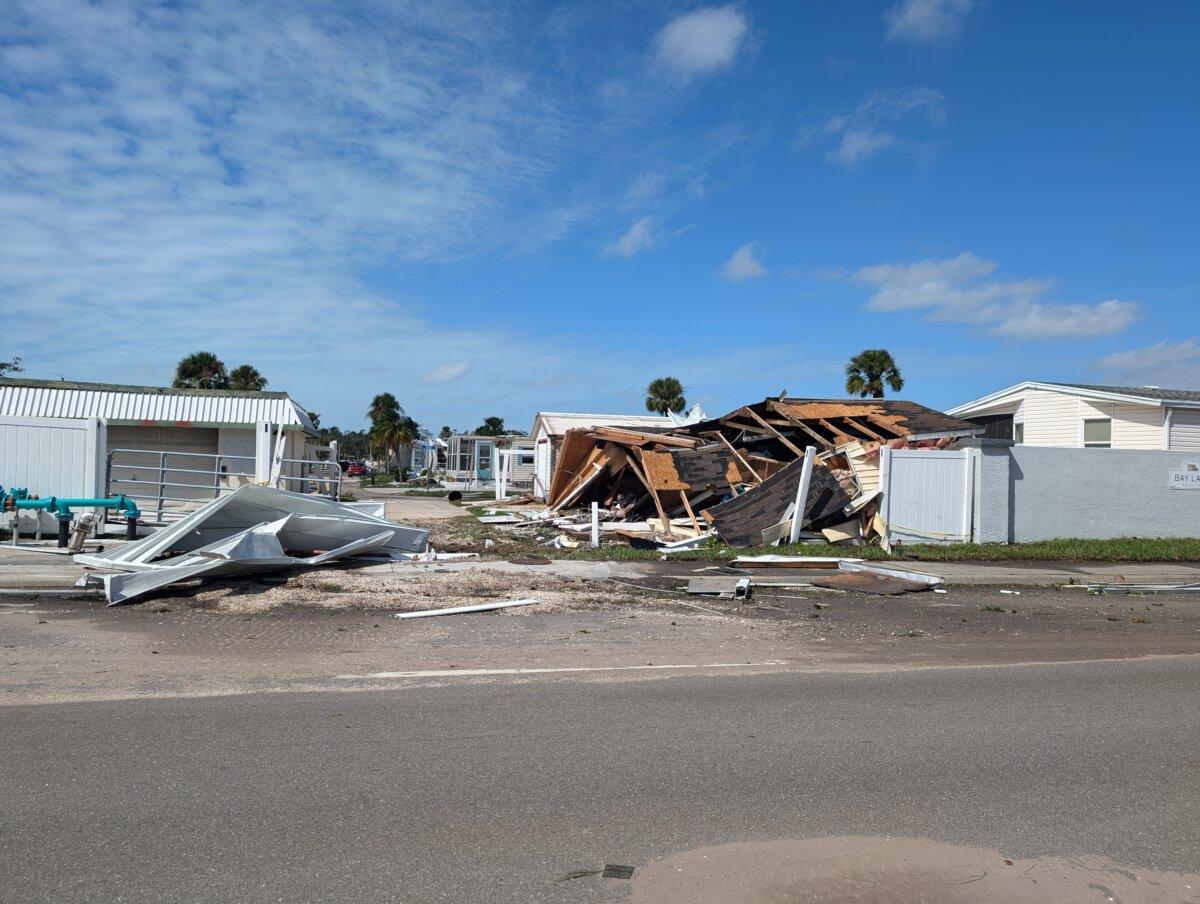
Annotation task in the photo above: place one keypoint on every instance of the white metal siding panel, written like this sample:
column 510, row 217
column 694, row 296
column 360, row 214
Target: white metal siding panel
column 1051, row 418
column 49, row 457
column 1137, row 427
column 1185, row 430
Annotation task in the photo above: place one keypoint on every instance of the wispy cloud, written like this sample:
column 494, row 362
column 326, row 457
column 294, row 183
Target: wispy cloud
column 701, row 42
column 1172, row 365
column 964, row 289
column 744, row 264
column 236, row 176
column 443, row 373
column 927, row 21
column 872, row 126
column 642, row 235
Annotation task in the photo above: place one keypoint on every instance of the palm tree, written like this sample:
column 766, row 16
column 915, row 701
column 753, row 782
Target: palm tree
column 246, row 378
column 869, row 370
column 393, row 432
column 384, row 405
column 491, row 426
column 665, row 394
column 201, row 370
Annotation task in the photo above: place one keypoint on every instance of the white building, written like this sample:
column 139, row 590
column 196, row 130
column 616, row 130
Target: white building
column 1089, row 416
column 165, row 447
column 549, row 428
column 472, row 460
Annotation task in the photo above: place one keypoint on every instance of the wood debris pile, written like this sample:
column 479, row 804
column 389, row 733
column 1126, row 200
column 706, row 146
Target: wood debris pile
column 737, row 476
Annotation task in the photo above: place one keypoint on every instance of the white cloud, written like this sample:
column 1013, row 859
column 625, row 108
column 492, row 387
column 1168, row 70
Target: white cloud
column 964, row 289
column 744, row 264
column 446, row 372
column 927, row 21
column 1070, row 321
column 1172, row 365
column 871, row 127
column 701, row 42
column 641, row 236
column 242, row 177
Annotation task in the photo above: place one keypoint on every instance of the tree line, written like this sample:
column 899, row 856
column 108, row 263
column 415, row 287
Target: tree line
column 868, row 374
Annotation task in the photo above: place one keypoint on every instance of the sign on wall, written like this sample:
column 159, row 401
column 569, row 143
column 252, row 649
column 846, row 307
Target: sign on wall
column 1187, row 477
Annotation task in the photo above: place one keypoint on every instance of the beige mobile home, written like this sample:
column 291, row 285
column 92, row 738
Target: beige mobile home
column 1079, row 415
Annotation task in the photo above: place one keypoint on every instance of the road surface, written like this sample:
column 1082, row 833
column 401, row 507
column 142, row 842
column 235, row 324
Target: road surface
column 504, row 788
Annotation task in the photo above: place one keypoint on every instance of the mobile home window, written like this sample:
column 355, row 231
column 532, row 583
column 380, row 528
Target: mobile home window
column 1097, row 433
column 525, row 458
column 1018, row 432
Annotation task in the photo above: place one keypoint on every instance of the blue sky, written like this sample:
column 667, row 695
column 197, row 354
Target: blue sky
column 500, row 208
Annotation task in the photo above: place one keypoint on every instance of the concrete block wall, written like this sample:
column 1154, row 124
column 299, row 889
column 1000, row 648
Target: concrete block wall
column 1027, row 493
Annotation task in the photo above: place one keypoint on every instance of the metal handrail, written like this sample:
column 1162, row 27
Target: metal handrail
column 159, row 464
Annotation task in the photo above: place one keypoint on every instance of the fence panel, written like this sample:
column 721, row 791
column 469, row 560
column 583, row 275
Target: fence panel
column 927, row 495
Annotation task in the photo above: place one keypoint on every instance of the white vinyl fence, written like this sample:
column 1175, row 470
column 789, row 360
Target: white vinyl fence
column 53, row 456
column 928, row 495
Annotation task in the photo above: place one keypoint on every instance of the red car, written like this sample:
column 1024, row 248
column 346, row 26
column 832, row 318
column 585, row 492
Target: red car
column 357, row 469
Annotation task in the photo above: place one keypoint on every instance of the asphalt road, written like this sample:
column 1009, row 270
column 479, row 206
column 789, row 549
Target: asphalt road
column 497, row 791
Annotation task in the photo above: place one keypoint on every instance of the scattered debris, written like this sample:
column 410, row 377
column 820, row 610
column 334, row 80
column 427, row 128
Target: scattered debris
column 774, row 561
column 740, row 476
column 616, row 871
column 460, row 610
column 1191, row 587
column 253, row 529
column 728, row 586
column 868, row 582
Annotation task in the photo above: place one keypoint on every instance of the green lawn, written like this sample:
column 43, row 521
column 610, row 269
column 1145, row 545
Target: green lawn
column 1124, row 549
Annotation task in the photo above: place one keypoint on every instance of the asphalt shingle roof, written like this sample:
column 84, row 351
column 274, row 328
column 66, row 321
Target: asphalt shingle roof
column 1143, row 392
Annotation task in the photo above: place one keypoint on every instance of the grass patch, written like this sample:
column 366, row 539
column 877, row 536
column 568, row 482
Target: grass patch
column 1125, row 549
column 1121, row 549
column 381, row 479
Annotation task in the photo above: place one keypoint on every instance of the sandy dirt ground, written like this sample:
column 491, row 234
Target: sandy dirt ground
column 887, row 870
column 335, row 629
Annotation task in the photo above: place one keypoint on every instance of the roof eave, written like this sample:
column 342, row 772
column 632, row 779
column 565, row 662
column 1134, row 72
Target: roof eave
column 999, row 397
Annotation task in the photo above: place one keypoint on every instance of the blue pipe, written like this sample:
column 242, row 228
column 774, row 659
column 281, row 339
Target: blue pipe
column 18, row 498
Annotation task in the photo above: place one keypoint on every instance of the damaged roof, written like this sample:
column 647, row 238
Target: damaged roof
column 834, row 421
column 557, row 423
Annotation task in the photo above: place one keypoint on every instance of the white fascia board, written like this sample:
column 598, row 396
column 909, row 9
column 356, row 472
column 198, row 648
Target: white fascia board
column 996, row 398
column 1003, row 395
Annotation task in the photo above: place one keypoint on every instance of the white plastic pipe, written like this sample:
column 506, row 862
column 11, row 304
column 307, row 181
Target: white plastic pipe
column 457, row 610
column 595, row 525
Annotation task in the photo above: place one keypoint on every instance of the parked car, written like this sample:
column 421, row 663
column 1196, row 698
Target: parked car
column 357, row 469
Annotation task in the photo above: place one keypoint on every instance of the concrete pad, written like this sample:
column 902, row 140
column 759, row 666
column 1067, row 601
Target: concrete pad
column 1042, row 574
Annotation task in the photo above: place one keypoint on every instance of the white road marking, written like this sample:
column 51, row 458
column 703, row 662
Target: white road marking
column 468, row 673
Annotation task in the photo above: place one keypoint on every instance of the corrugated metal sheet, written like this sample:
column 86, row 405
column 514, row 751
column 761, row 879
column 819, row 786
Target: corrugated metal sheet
column 134, row 405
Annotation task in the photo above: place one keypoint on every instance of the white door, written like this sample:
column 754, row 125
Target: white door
column 541, row 468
